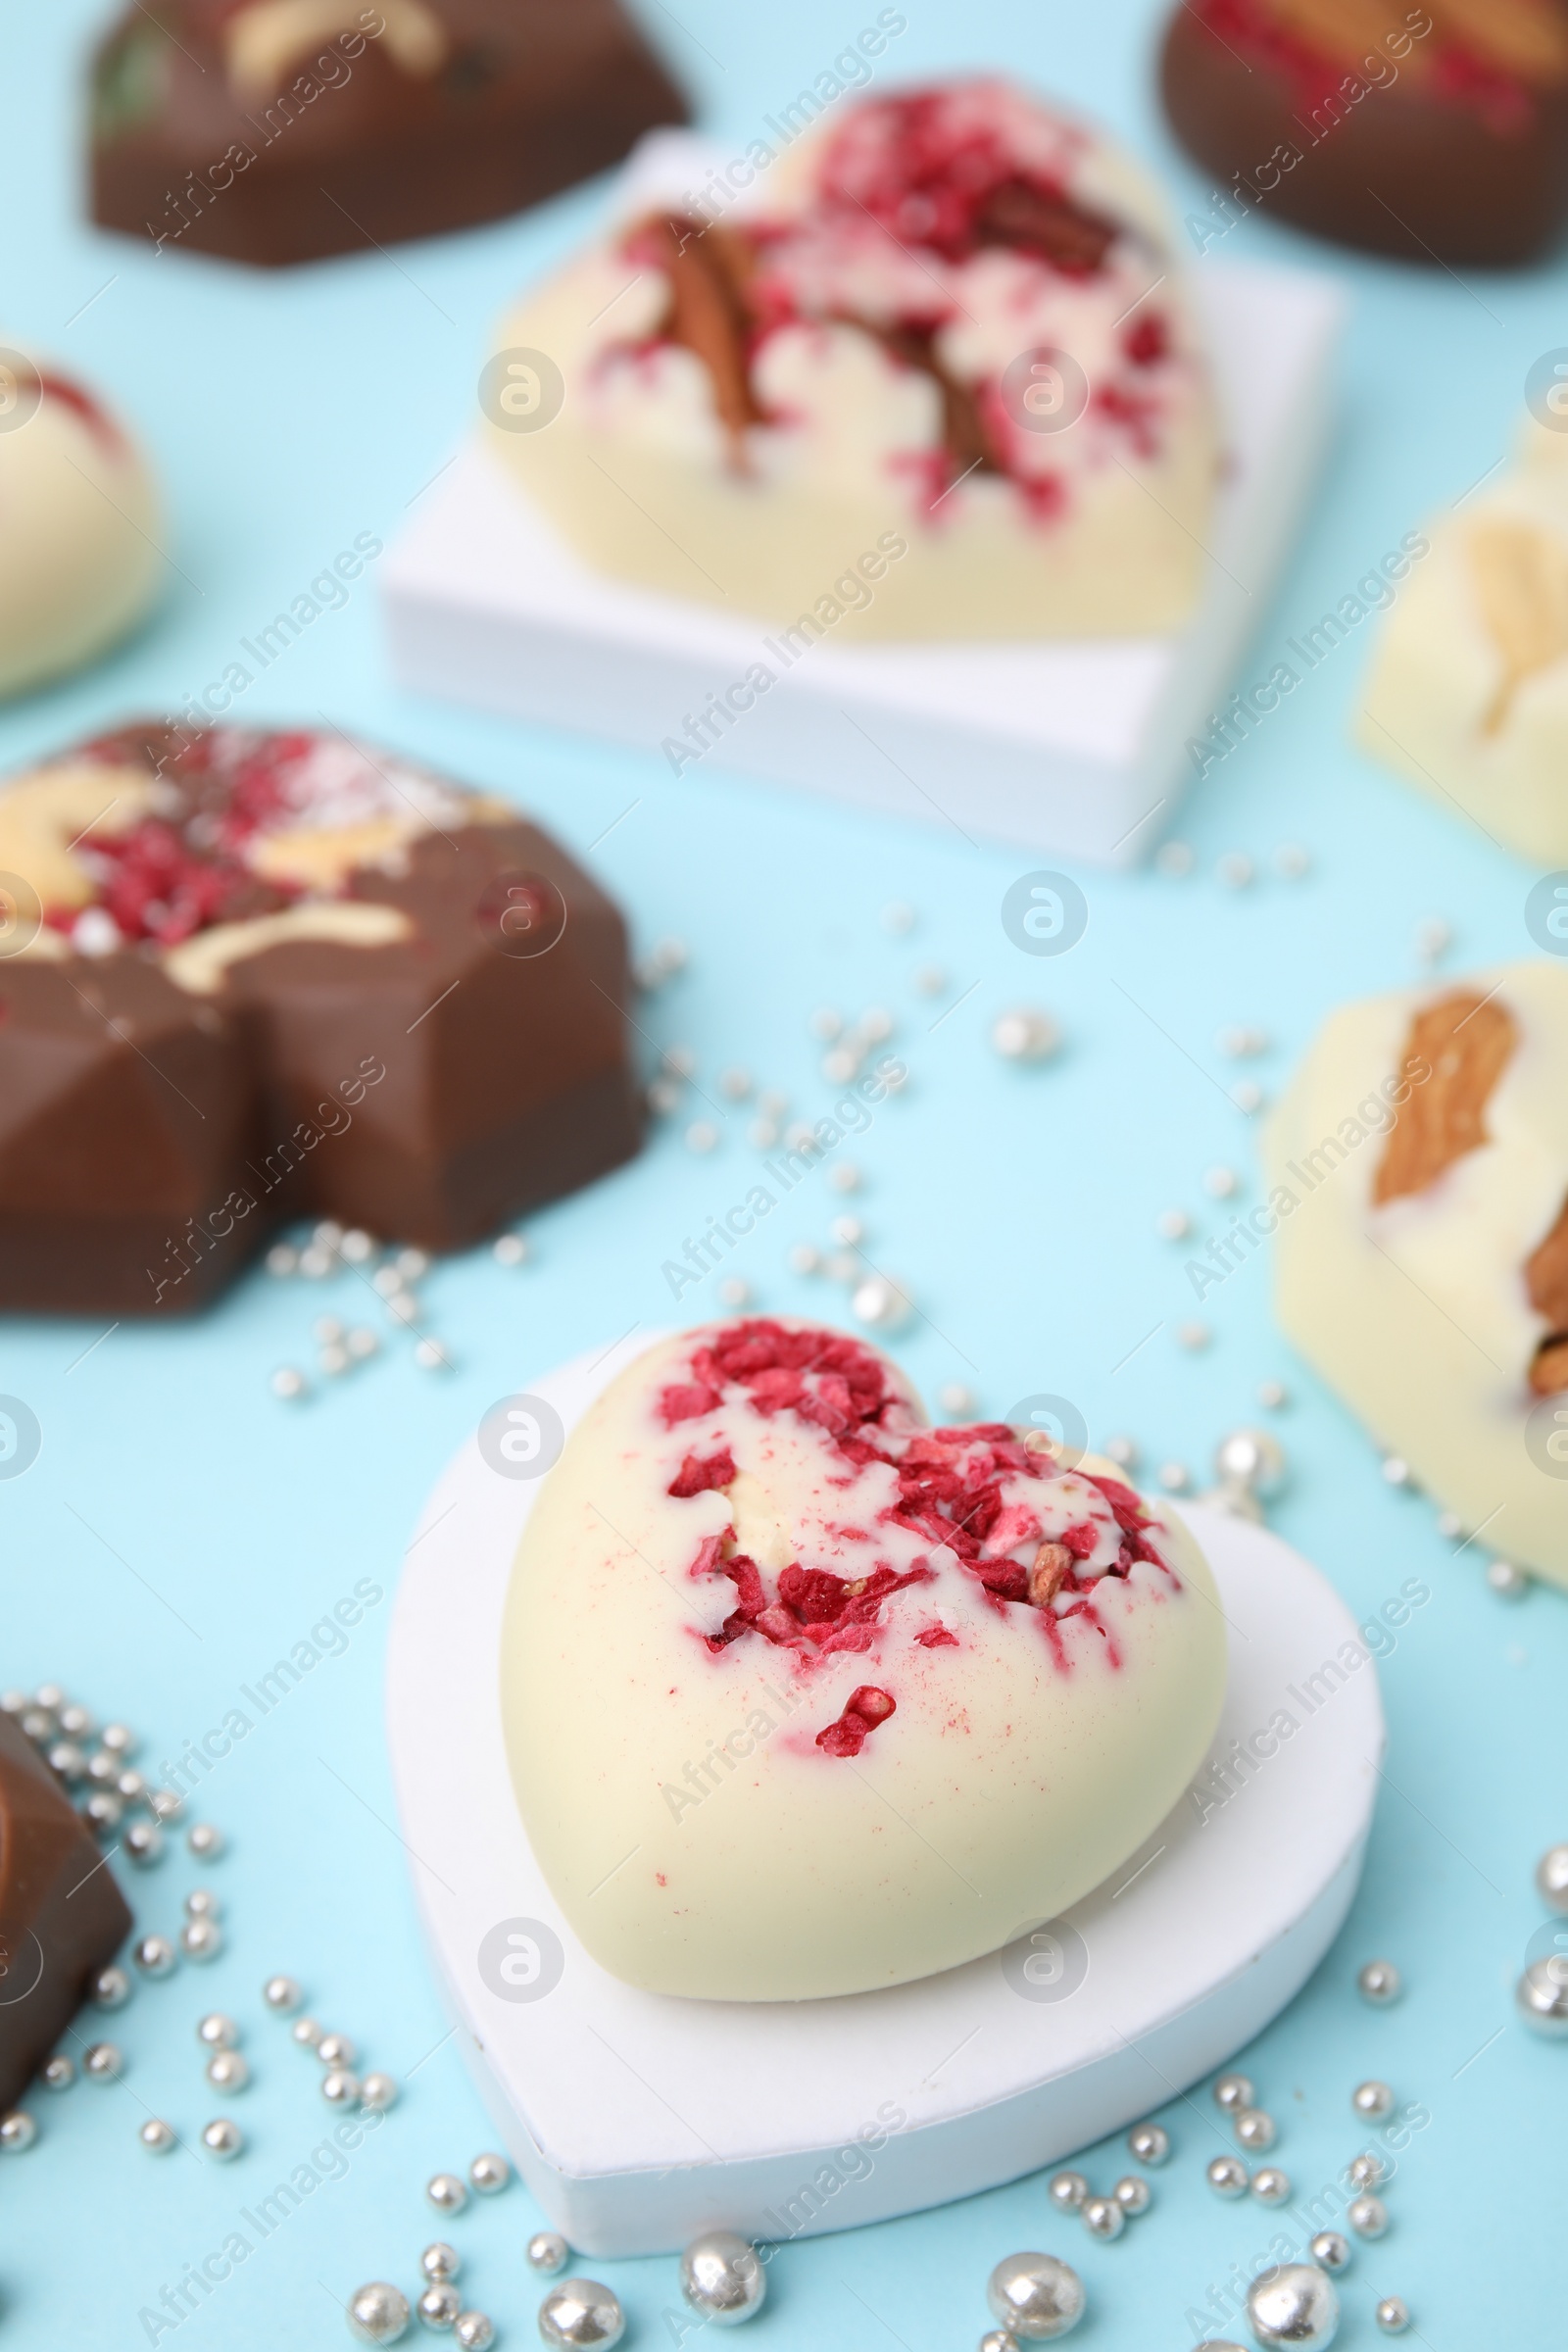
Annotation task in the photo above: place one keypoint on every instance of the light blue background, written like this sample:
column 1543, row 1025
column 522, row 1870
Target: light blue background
column 181, row 1529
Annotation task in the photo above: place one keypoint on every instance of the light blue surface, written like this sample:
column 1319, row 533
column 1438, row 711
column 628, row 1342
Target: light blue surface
column 181, row 1530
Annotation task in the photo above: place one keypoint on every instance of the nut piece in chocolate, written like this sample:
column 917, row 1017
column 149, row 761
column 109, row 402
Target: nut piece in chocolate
column 251, row 977
column 62, row 1916
column 279, row 130
column 1435, row 133
column 1418, row 1175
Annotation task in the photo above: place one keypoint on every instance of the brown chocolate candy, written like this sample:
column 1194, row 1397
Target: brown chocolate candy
column 1446, row 144
column 427, row 1088
column 62, row 1916
column 233, row 128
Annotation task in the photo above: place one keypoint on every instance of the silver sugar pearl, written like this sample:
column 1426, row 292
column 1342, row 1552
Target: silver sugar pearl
column 440, row 2261
column 201, row 1940
column 1133, row 2194
column 102, row 2062
column 216, row 2031
column 111, row 1988
column 548, row 2253
column 157, row 2137
column 1381, row 1982
column 1271, row 2186
column 1149, row 2143
column 119, row 1739
column 1331, row 2251
column 446, row 2192
column 227, row 2070
column 439, row 2305
column 18, row 2131
column 39, row 1726
column 1393, row 2314
column 340, row 2088
column 222, row 2139
column 1506, row 1581
column 1543, row 1996
column 489, row 2174
column 1067, row 2191
column 378, row 2314
column 1294, row 2307
column 1251, row 1458
column 997, row 2339
column 165, row 1804
column 475, row 2331
column 1254, row 2129
column 1103, row 2218
column 721, row 2278
column 1227, row 2176
column 143, row 1841
column 205, row 1842
column 305, row 2032
column 1368, row 2217
column 580, row 2312
column 68, row 1760
column 58, row 2072
column 1025, row 1034
column 1034, row 2296
column 378, row 2092
column 75, row 1722
column 282, row 1994
column 1364, row 2172
column 103, row 1811
column 1552, row 1877
column 131, row 1785
column 337, row 2049
column 203, row 1903
column 1374, row 2101
column 1234, row 2090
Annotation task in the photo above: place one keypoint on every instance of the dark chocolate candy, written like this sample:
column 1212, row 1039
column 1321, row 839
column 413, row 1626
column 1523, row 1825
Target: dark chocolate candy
column 62, row 1916
column 1444, row 144
column 427, row 1088
column 270, row 133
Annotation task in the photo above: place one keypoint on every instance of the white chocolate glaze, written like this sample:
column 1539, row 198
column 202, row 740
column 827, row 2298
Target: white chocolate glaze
column 201, row 966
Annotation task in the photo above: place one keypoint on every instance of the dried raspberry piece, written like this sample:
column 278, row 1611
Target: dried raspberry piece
column 686, row 1402
column 701, row 1478
column 867, row 1707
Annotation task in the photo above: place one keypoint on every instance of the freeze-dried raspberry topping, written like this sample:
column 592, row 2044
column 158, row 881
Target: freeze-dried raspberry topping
column 958, row 169
column 947, row 225
column 896, row 1505
column 868, row 1706
column 827, row 1379
column 217, row 792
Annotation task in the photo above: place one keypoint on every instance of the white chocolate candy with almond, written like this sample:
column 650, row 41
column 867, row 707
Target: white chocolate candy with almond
column 1468, row 694
column 781, row 1733
column 1419, row 1170
column 79, row 526
column 981, row 412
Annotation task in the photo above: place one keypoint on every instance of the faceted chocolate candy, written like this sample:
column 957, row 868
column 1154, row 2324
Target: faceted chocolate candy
column 278, row 131
column 892, row 1693
column 1435, row 133
column 80, row 528
column 935, row 375
column 1419, row 1175
column 1468, row 694
column 62, row 1916
column 246, row 977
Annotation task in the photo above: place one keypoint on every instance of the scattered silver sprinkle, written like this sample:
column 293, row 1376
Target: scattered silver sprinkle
column 1221, row 1183
column 289, row 1384
column 1173, row 1224
column 510, row 1249
column 1236, row 869
column 702, row 1136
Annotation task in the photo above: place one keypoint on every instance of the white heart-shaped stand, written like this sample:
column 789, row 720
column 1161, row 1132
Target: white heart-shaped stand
column 638, row 2120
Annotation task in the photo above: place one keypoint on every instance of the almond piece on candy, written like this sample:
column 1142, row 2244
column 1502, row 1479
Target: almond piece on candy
column 1467, row 1043
column 837, row 1738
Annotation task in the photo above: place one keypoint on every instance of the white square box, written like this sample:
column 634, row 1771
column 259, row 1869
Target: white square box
column 1077, row 749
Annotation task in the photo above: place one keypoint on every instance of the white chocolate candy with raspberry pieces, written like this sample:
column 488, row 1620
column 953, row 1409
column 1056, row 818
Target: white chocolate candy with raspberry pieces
column 78, row 524
column 1418, row 1168
column 935, row 374
column 802, row 1698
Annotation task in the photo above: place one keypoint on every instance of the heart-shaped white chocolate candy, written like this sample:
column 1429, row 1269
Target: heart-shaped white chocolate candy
column 802, row 1697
